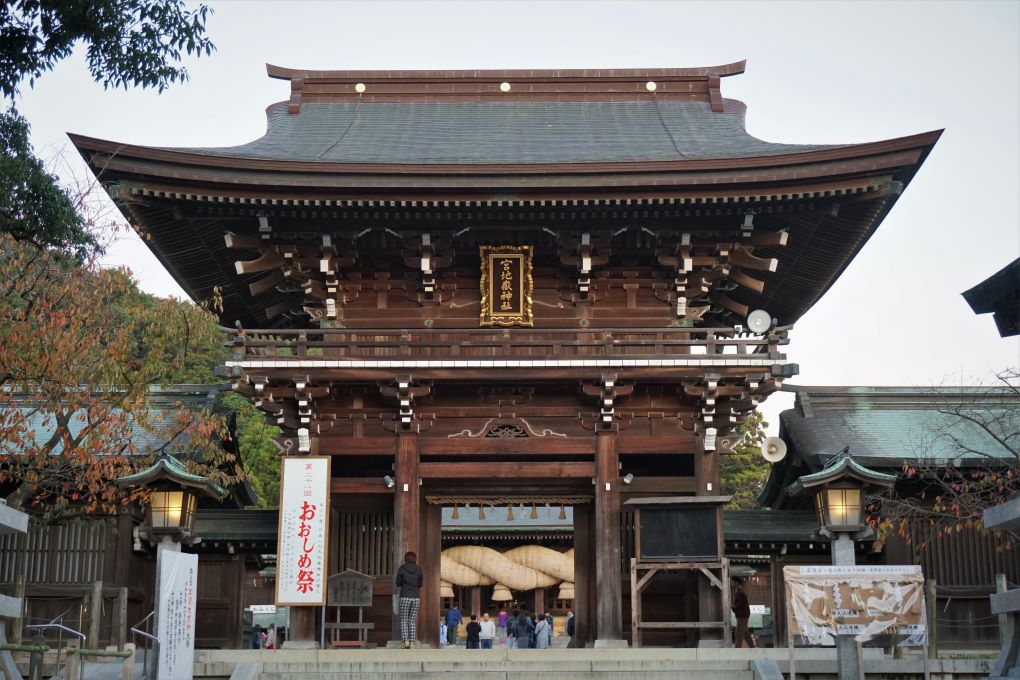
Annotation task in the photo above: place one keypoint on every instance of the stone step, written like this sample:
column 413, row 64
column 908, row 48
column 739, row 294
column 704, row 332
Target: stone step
column 510, row 674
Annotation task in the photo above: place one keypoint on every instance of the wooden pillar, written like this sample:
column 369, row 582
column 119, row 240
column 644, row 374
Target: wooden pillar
column 301, row 633
column 540, row 601
column 608, row 551
column 428, row 560
column 95, row 615
column 406, row 507
column 706, row 472
column 474, row 605
column 120, row 620
column 584, row 578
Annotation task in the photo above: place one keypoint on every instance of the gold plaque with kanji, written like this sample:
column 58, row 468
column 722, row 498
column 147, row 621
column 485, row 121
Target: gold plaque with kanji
column 507, row 286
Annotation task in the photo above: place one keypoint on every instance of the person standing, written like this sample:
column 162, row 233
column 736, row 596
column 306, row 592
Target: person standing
column 571, row 629
column 256, row 637
column 487, row 632
column 501, row 620
column 473, row 629
column 742, row 612
column 442, row 632
column 409, row 582
column 525, row 631
column 271, row 637
column 453, row 619
column 542, row 633
column 512, row 630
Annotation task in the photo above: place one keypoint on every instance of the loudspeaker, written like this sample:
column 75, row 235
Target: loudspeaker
column 773, row 449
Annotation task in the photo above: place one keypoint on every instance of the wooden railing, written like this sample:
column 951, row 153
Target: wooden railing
column 485, row 343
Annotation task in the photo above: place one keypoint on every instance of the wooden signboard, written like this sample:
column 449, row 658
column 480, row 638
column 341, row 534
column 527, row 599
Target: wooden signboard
column 864, row 601
column 349, row 589
column 507, row 286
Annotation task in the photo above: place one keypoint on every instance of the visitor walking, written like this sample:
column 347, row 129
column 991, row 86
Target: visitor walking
column 256, row 637
column 473, row 629
column 512, row 630
column 271, row 637
column 409, row 582
column 525, row 631
column 487, row 632
column 543, row 632
column 571, row 629
column 742, row 612
column 501, row 620
column 453, row 619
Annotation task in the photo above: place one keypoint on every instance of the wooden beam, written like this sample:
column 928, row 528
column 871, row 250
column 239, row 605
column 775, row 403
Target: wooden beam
column 356, row 446
column 667, row 485
column 679, row 444
column 372, row 485
column 562, row 446
column 512, row 470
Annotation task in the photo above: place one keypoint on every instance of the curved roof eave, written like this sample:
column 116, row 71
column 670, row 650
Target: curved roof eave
column 169, row 164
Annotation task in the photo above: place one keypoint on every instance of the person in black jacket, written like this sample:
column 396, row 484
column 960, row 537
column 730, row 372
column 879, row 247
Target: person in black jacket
column 409, row 582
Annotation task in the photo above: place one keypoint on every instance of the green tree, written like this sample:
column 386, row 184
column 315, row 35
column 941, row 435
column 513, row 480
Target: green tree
column 743, row 473
column 260, row 453
column 127, row 43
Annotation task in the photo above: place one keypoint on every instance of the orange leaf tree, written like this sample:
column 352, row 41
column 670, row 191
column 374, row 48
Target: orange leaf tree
column 79, row 348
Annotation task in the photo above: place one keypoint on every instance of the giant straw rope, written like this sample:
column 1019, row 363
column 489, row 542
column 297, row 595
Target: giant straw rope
column 525, row 568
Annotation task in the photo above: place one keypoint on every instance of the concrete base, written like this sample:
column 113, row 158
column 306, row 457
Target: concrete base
column 611, row 644
column 300, row 644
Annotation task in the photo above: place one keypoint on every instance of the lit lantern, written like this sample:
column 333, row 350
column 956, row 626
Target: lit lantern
column 839, row 490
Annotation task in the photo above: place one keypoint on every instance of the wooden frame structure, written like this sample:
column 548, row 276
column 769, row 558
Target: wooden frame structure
column 351, row 268
column 715, row 569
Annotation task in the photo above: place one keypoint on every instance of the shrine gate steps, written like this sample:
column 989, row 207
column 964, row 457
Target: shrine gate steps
column 560, row 664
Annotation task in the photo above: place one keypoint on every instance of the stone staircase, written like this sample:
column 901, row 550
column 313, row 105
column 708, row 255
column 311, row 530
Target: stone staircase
column 558, row 664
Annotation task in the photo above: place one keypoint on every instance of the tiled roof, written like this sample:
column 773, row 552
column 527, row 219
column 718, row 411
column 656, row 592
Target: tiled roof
column 519, row 132
column 887, row 426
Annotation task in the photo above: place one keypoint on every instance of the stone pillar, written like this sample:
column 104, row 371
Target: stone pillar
column 848, row 661
column 608, row 551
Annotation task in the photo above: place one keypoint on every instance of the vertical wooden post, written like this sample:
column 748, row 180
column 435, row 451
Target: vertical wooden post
column 1001, row 587
column 706, row 472
column 476, row 603
column 635, row 605
column 775, row 601
column 18, row 624
column 406, row 508
column 584, row 612
column 73, row 661
column 120, row 622
column 539, row 601
column 95, row 615
column 128, row 667
column 608, row 551
column 933, row 636
column 428, row 560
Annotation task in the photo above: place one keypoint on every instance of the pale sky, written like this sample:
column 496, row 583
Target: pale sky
column 818, row 72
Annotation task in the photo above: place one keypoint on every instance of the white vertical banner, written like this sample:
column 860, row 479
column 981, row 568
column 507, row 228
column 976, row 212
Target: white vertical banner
column 178, row 594
column 301, row 547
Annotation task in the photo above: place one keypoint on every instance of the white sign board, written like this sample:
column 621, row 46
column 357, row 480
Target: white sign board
column 263, row 609
column 178, row 593
column 301, row 547
column 823, row 602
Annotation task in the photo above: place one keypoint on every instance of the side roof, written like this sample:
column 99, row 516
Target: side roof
column 886, row 427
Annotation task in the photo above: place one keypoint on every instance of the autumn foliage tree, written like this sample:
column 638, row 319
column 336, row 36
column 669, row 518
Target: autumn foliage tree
column 79, row 348
column 979, row 427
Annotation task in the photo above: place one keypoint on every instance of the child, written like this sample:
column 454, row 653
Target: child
column 442, row 632
column 473, row 629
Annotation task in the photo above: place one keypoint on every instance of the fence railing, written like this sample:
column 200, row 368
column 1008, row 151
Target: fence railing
column 505, row 343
